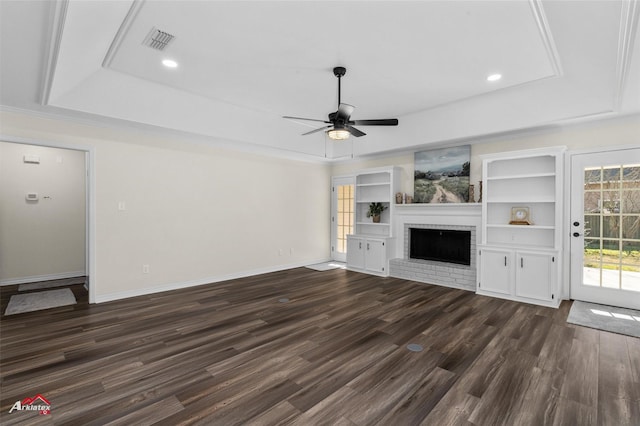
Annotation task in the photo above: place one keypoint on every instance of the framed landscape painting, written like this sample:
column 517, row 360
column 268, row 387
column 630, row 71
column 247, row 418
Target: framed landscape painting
column 442, row 175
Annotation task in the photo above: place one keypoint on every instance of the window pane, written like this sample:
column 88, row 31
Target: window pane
column 611, row 177
column 611, row 226
column 592, row 226
column 610, row 202
column 631, row 201
column 592, row 257
column 631, row 254
column 611, row 275
column 631, row 227
column 631, row 266
column 631, row 172
column 592, row 178
column 610, row 246
column 592, row 202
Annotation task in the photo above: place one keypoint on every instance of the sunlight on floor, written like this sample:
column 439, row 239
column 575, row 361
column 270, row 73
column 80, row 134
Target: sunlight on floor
column 615, row 315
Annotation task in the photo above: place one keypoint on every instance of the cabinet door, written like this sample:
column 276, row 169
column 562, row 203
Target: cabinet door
column 355, row 252
column 376, row 258
column 495, row 270
column 535, row 276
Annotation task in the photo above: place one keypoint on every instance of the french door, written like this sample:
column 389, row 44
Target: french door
column 605, row 227
column 342, row 215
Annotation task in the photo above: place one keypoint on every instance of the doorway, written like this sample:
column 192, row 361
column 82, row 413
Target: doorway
column 605, row 227
column 342, row 215
column 49, row 186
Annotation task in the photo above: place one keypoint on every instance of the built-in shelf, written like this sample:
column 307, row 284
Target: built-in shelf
column 436, row 206
column 522, row 262
column 360, row 185
column 523, row 176
column 521, row 199
column 369, row 248
column 514, row 227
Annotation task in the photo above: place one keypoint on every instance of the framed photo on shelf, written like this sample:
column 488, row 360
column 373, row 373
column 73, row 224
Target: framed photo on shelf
column 520, row 216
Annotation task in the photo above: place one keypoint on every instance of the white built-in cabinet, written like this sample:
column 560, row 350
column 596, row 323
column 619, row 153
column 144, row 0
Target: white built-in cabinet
column 370, row 247
column 522, row 262
column 368, row 254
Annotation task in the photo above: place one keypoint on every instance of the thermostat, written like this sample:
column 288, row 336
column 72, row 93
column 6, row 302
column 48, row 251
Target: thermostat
column 32, row 196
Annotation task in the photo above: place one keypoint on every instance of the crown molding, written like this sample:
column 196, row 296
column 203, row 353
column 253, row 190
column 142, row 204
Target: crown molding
column 628, row 29
column 122, row 32
column 56, row 26
column 546, row 35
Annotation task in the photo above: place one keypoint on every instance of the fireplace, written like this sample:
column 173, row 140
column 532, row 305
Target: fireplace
column 442, row 245
column 434, row 218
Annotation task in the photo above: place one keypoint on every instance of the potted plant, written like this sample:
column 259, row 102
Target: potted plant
column 374, row 211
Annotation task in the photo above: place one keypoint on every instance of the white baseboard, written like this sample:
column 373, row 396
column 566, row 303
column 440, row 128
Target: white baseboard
column 47, row 277
column 101, row 298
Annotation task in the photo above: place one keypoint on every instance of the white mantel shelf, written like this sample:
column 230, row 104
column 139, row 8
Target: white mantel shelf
column 459, row 209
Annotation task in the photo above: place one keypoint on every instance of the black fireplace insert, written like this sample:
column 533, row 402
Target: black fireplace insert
column 442, row 245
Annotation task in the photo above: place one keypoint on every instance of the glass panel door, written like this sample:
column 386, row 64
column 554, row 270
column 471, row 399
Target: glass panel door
column 605, row 211
column 342, row 217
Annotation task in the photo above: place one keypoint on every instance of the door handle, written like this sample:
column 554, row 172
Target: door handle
column 576, row 223
column 522, row 262
column 367, row 246
column 505, row 261
column 360, row 245
column 576, row 234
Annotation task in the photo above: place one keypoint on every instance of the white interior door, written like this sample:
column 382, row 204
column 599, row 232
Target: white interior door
column 605, row 227
column 342, row 215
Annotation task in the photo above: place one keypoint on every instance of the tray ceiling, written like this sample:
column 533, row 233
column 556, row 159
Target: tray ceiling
column 243, row 65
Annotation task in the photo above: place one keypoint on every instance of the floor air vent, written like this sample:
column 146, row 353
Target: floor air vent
column 157, row 39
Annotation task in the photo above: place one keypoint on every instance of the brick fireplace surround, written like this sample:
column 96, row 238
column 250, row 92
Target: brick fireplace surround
column 462, row 217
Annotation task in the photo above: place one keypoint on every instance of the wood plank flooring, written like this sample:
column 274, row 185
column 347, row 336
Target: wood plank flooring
column 335, row 354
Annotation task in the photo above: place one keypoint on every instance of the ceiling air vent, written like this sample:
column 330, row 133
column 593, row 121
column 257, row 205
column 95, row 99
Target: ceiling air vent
column 157, row 39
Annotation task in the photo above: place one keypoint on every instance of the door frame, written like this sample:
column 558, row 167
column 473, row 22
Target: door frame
column 90, row 206
column 569, row 268
column 338, row 180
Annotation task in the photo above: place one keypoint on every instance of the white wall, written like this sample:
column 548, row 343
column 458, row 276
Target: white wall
column 43, row 239
column 620, row 131
column 194, row 213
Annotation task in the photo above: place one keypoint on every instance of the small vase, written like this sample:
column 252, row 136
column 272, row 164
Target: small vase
column 376, row 219
column 472, row 194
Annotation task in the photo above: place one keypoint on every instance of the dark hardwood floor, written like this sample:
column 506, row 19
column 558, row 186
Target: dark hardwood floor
column 335, row 354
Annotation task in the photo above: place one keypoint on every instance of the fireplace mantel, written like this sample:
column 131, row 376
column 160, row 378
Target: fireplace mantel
column 459, row 209
column 468, row 214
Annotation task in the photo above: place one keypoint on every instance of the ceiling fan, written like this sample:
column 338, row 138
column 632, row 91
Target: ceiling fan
column 340, row 125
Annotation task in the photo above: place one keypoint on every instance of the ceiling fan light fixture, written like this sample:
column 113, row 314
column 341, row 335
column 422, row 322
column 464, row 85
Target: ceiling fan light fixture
column 338, row 134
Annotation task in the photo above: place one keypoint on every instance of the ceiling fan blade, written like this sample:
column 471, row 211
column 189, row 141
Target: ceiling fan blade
column 316, row 130
column 381, row 122
column 308, row 119
column 355, row 132
column 345, row 111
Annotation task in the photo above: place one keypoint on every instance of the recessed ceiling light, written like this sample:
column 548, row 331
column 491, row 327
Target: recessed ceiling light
column 170, row 63
column 494, row 77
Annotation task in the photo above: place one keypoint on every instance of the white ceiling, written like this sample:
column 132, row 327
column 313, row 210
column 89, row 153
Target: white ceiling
column 243, row 65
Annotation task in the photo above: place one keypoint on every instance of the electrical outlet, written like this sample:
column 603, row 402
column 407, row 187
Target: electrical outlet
column 291, row 251
column 122, row 206
column 280, row 252
column 145, row 269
